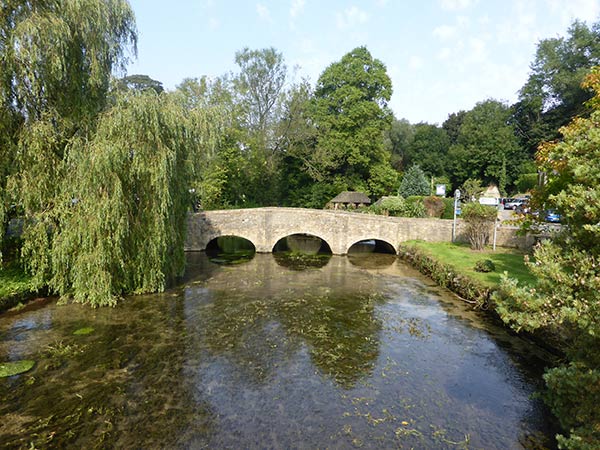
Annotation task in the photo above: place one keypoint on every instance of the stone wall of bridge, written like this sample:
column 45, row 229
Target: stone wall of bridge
column 264, row 227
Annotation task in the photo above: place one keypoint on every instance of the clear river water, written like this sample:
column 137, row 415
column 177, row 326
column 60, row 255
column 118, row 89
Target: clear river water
column 353, row 352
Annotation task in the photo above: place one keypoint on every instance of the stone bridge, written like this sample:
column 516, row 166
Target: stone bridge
column 264, row 227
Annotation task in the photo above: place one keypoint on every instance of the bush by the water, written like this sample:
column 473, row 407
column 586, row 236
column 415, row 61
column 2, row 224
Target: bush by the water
column 485, row 266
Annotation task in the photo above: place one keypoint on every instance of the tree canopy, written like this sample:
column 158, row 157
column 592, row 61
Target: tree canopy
column 567, row 268
column 351, row 115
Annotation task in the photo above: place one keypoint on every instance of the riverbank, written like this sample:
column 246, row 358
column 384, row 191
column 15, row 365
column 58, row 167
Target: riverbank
column 16, row 286
column 453, row 266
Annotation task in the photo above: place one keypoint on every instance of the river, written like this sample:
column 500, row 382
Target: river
column 361, row 352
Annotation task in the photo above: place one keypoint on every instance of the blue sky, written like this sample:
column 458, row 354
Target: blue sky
column 442, row 55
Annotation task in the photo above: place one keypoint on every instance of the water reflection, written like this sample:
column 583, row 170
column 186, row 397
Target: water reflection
column 260, row 356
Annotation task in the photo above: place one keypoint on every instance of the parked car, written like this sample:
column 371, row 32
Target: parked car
column 552, row 216
column 514, row 203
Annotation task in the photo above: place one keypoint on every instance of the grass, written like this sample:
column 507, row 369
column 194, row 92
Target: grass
column 14, row 284
column 463, row 259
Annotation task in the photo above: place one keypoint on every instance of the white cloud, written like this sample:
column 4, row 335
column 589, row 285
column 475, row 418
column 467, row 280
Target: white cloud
column 297, row 7
column 445, row 32
column 455, row 5
column 587, row 10
column 263, row 12
column 351, row 17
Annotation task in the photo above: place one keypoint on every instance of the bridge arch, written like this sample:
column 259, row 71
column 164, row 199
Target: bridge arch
column 306, row 242
column 372, row 245
column 230, row 244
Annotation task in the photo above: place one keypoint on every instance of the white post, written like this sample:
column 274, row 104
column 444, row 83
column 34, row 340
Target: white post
column 496, row 226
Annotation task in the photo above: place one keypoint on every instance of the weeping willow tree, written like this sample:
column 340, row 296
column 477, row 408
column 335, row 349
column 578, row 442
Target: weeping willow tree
column 122, row 210
column 56, row 61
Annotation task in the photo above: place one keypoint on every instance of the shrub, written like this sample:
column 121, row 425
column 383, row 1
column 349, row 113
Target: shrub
column 448, row 208
column 485, row 265
column 415, row 207
column 479, row 219
column 434, row 206
column 399, row 207
column 414, row 182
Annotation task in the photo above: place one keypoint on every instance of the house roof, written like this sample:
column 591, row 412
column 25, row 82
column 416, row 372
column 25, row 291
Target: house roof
column 492, row 191
column 351, row 197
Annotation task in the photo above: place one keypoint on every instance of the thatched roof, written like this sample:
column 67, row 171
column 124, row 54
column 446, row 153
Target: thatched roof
column 351, row 197
column 492, row 191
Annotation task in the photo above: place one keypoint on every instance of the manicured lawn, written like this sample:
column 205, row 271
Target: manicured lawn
column 464, row 259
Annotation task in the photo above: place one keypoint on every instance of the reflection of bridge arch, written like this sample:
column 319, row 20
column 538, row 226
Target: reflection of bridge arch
column 340, row 229
column 372, row 244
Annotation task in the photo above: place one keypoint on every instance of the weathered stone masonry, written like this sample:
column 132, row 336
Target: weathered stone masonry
column 340, row 229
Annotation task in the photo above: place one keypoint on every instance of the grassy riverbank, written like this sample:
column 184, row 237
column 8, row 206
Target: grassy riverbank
column 453, row 266
column 15, row 286
column 461, row 257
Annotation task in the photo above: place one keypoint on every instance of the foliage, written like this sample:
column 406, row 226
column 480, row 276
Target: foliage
column 415, row 206
column 484, row 265
column 259, row 85
column 553, row 94
column 15, row 285
column 568, row 270
column 526, row 182
column 397, row 140
column 471, row 190
column 429, row 149
column 434, row 206
column 49, row 92
column 399, row 207
column 120, row 223
column 448, row 212
column 414, row 182
column 462, row 258
column 140, row 83
column 479, row 219
column 486, row 146
column 445, row 274
column 452, row 125
column 351, row 114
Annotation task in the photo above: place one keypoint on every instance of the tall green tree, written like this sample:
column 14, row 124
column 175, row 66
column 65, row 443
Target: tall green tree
column 414, row 182
column 351, row 115
column 120, row 219
column 452, row 125
column 260, row 85
column 57, row 60
column 429, row 149
column 566, row 297
column 397, row 140
column 553, row 94
column 140, row 82
column 486, row 146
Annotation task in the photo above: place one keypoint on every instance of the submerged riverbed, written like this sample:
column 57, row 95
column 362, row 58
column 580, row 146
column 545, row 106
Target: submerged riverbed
column 360, row 352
